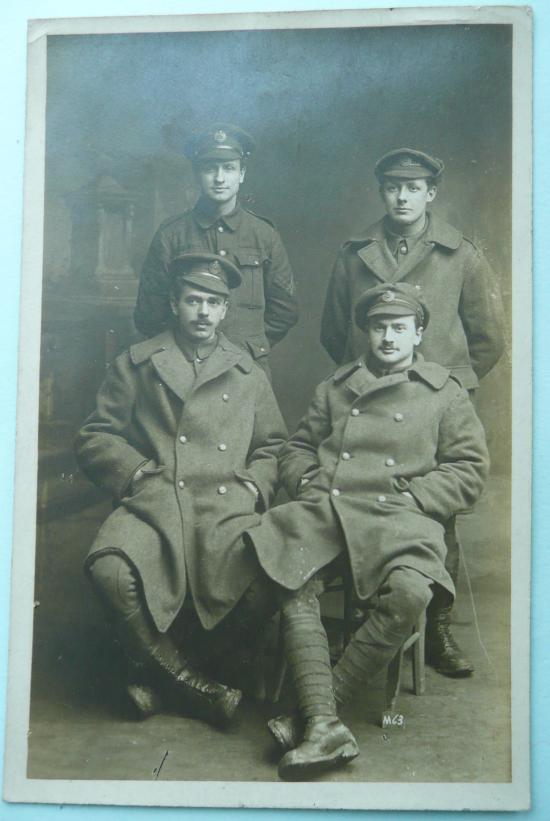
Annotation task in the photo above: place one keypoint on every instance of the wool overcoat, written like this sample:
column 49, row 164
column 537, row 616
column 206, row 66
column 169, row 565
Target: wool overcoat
column 197, row 440
column 363, row 441
column 264, row 307
column 465, row 332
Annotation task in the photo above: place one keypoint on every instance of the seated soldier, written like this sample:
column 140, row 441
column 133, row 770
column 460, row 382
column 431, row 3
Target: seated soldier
column 389, row 449
column 185, row 437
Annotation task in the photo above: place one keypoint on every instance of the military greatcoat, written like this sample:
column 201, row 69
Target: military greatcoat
column 261, row 311
column 465, row 332
column 198, row 440
column 363, row 441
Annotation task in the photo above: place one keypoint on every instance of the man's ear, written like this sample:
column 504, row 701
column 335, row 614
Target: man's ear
column 419, row 332
column 432, row 193
column 243, row 173
column 173, row 305
column 225, row 307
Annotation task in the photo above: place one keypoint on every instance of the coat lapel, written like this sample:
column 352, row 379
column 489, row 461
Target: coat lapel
column 224, row 357
column 378, row 259
column 357, row 379
column 174, row 370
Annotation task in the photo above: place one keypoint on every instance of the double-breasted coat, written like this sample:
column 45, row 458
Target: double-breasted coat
column 465, row 332
column 363, row 441
column 262, row 309
column 198, row 440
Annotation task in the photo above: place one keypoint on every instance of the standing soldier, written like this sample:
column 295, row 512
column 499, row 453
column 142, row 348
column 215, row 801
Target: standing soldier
column 264, row 307
column 415, row 246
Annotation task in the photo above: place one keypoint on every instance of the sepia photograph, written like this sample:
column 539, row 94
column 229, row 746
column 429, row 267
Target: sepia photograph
column 272, row 511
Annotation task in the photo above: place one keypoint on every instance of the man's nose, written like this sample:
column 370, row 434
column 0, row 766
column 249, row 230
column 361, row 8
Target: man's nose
column 389, row 335
column 204, row 308
column 219, row 176
column 402, row 194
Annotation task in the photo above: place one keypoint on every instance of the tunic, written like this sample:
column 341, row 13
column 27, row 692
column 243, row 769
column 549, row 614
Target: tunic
column 261, row 311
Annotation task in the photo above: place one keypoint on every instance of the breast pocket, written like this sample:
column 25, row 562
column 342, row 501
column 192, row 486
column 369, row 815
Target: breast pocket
column 250, row 293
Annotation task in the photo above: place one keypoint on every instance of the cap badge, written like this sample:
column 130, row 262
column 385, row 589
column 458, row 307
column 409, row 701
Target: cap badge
column 215, row 267
column 408, row 162
column 220, row 136
column 388, row 296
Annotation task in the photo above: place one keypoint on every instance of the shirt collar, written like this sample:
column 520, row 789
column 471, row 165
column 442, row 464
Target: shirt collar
column 206, row 219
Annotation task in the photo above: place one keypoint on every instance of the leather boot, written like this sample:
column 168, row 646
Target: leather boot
column 143, row 697
column 287, row 730
column 326, row 745
column 181, row 683
column 442, row 650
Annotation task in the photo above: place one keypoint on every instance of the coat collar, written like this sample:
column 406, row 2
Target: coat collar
column 177, row 373
column 360, row 380
column 206, row 219
column 438, row 231
column 374, row 251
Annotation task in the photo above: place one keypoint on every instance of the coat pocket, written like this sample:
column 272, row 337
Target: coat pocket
column 250, row 293
column 256, row 498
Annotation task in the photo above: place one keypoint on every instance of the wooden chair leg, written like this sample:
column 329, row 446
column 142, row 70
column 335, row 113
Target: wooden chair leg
column 393, row 680
column 418, row 662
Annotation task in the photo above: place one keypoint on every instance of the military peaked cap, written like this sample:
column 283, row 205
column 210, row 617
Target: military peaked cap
column 399, row 299
column 208, row 272
column 221, row 141
column 408, row 164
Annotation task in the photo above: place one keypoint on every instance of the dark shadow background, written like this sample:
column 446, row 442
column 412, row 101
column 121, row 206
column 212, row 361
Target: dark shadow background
column 323, row 106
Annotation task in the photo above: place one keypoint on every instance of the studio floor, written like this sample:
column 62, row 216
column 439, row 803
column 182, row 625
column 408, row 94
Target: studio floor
column 458, row 731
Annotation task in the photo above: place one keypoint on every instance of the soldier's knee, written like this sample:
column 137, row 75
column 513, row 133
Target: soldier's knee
column 306, row 599
column 410, row 594
column 115, row 582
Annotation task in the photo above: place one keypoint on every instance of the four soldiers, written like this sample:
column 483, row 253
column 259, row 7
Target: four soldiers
column 188, row 438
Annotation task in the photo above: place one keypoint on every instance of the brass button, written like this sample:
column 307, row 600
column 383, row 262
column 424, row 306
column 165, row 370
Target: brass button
column 220, row 229
column 222, row 253
column 222, row 446
column 335, row 491
column 225, row 397
column 346, row 455
column 183, row 439
column 381, row 498
column 390, row 462
column 222, row 490
column 398, row 417
column 181, row 484
column 256, row 262
column 355, row 412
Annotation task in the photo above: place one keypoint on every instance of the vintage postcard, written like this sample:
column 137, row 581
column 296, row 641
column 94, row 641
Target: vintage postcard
column 239, row 229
